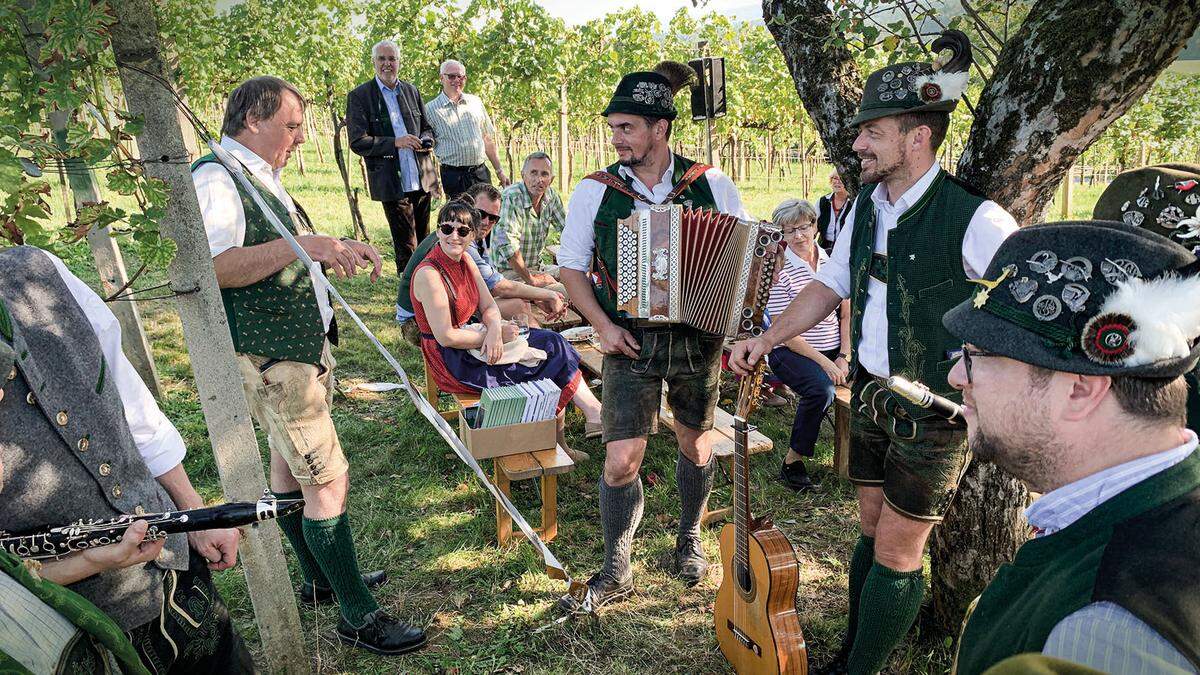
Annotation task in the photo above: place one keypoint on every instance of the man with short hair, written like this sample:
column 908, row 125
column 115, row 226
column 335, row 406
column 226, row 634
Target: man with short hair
column 914, row 239
column 386, row 124
column 529, row 211
column 831, row 212
column 1074, row 351
column 512, row 297
column 282, row 327
column 465, row 133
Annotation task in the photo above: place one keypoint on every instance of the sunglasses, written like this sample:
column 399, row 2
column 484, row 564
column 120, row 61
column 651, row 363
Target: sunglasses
column 492, row 218
column 447, row 229
column 967, row 355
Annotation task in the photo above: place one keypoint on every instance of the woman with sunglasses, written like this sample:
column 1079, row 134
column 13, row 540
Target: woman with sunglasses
column 812, row 363
column 447, row 291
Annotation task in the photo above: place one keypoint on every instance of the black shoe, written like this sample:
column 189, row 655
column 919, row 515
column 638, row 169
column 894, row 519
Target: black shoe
column 601, row 590
column 795, row 476
column 381, row 633
column 311, row 594
column 690, row 563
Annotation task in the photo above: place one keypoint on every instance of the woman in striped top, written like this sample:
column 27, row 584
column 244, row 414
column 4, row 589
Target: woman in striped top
column 812, row 363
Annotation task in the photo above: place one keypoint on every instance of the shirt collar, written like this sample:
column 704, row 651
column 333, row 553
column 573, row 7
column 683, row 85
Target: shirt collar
column 521, row 194
column 797, row 261
column 384, row 87
column 910, row 196
column 1059, row 508
column 257, row 165
column 627, row 173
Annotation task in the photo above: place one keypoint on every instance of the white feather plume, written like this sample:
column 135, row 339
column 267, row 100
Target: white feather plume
column 953, row 85
column 1166, row 312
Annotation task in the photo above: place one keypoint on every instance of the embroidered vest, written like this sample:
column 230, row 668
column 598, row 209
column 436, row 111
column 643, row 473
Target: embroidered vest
column 924, row 274
column 614, row 206
column 278, row 316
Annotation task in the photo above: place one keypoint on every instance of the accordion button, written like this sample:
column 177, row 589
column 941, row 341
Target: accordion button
column 61, row 418
column 83, row 444
column 105, row 469
column 116, row 491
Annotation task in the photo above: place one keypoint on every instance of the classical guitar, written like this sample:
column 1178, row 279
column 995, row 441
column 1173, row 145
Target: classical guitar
column 755, row 612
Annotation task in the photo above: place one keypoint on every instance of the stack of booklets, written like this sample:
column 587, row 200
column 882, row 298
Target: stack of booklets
column 516, row 403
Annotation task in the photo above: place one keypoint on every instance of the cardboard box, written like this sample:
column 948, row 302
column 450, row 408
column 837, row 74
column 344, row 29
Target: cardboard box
column 507, row 440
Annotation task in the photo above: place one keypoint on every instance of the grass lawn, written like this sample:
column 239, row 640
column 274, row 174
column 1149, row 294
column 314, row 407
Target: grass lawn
column 418, row 512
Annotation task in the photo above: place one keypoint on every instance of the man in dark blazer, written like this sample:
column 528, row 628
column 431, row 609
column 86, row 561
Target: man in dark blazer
column 385, row 120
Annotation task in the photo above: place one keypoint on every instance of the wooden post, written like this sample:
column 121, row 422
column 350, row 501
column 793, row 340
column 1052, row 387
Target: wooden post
column 339, row 156
column 135, row 44
column 564, row 137
column 1065, row 197
column 312, row 130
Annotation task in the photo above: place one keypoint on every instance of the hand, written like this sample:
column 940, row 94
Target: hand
column 493, row 345
column 505, row 181
column 554, row 307
column 614, row 339
column 218, row 547
column 509, row 331
column 744, row 355
column 342, row 259
column 540, row 279
column 833, row 370
column 130, row 551
column 844, row 366
column 366, row 253
column 409, row 142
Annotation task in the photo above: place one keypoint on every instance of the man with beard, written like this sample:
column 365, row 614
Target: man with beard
column 913, row 240
column 1087, row 408
column 639, row 355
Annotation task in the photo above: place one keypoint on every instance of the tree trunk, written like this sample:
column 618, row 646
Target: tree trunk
column 135, row 44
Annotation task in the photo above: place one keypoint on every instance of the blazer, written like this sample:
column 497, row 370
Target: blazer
column 371, row 135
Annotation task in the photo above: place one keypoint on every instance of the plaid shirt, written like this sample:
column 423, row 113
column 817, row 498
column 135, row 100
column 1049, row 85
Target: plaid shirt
column 459, row 128
column 520, row 229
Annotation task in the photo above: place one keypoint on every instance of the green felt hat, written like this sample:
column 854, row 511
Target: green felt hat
column 912, row 86
column 1164, row 199
column 651, row 93
column 1090, row 297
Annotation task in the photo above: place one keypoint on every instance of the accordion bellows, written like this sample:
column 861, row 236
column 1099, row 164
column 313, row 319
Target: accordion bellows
column 710, row 270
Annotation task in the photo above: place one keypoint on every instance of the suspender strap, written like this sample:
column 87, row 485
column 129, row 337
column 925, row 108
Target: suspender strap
column 690, row 176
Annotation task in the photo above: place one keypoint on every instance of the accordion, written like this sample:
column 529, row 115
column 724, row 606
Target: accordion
column 709, row 270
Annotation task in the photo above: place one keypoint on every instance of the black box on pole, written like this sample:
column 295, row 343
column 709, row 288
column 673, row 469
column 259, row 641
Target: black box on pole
column 708, row 98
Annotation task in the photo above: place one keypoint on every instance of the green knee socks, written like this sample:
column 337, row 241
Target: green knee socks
column 293, row 528
column 889, row 602
column 333, row 548
column 860, row 565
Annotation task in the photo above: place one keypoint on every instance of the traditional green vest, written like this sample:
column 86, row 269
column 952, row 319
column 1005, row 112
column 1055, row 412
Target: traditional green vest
column 1139, row 550
column 616, row 205
column 277, row 317
column 924, row 274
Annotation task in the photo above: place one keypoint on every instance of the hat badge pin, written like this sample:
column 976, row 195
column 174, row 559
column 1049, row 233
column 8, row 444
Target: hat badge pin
column 981, row 296
column 1023, row 289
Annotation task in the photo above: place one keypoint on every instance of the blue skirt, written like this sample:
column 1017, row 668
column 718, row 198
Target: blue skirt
column 560, row 366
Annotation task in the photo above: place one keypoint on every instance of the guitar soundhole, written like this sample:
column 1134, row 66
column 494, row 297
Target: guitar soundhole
column 744, row 579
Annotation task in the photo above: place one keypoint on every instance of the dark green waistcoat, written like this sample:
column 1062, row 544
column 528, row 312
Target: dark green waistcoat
column 616, row 205
column 1140, row 550
column 277, row 317
column 924, row 274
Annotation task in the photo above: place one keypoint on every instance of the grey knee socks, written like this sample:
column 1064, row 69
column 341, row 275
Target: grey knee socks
column 695, row 483
column 620, row 513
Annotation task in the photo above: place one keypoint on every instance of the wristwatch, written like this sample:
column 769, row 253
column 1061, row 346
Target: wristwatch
column 844, row 356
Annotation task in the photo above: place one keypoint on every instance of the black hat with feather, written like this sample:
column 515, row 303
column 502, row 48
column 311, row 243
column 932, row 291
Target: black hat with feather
column 651, row 93
column 913, row 86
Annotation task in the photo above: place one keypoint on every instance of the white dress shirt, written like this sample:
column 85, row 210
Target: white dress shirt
column 989, row 226
column 579, row 234
column 406, row 160
column 157, row 440
column 225, row 219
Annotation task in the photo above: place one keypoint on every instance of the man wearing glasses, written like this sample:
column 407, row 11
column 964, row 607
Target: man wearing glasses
column 1087, row 408
column 465, row 133
column 512, row 297
column 913, row 239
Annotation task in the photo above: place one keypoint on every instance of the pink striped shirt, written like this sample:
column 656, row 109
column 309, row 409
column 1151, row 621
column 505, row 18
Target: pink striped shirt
column 795, row 275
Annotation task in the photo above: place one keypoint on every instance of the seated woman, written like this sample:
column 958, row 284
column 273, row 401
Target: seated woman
column 447, row 291
column 812, row 363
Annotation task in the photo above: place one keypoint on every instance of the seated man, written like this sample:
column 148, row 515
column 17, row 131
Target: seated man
column 81, row 437
column 512, row 297
column 1072, row 373
column 529, row 211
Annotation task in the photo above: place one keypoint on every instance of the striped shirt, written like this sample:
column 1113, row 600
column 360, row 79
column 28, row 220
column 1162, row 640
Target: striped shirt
column 521, row 229
column 459, row 129
column 795, row 275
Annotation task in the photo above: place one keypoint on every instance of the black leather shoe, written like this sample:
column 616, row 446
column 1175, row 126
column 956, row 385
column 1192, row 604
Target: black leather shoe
column 690, row 563
column 601, row 590
column 795, row 476
column 311, row 594
column 381, row 633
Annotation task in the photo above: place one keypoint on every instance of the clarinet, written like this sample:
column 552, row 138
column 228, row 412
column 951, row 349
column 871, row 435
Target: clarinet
column 923, row 397
column 56, row 542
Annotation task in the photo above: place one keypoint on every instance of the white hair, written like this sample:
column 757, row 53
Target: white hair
column 384, row 43
column 450, row 62
column 792, row 211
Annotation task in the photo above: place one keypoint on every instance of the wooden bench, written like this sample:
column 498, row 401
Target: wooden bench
column 841, row 431
column 545, row 465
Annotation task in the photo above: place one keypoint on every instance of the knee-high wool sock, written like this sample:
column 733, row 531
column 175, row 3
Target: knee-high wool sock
column 332, row 546
column 293, row 528
column 860, row 566
column 620, row 512
column 695, row 484
column 890, row 601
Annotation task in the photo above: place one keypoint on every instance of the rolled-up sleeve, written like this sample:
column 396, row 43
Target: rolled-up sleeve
column 157, row 440
column 579, row 233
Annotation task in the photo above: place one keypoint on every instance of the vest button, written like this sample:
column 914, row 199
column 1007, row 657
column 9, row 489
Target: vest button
column 1, row 394
column 139, row 510
column 105, row 469
column 116, row 491
column 12, row 374
column 83, row 444
column 61, row 418
column 30, row 398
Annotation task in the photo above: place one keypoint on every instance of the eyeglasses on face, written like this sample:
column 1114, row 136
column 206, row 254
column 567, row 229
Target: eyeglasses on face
column 967, row 354
column 447, row 229
column 454, row 76
column 789, row 231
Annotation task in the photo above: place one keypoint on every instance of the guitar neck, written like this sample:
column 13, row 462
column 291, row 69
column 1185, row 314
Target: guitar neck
column 741, row 490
